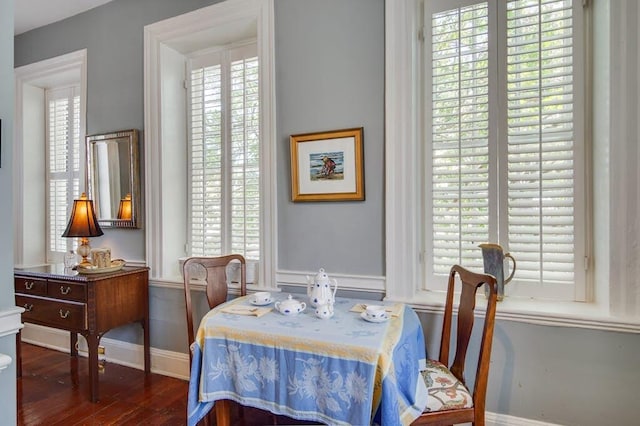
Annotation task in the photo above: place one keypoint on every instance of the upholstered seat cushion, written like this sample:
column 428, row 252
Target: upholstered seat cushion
column 446, row 392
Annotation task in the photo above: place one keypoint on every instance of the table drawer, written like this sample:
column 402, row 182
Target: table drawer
column 67, row 291
column 30, row 286
column 55, row 313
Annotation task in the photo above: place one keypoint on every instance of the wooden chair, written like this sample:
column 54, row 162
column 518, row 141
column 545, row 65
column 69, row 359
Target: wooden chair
column 450, row 401
column 212, row 270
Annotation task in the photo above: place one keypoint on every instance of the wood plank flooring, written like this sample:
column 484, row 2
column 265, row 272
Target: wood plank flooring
column 53, row 390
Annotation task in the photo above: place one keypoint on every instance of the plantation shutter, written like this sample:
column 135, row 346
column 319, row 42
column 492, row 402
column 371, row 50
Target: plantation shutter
column 224, row 154
column 245, row 157
column 541, row 139
column 460, row 136
column 206, row 161
column 504, row 148
column 63, row 164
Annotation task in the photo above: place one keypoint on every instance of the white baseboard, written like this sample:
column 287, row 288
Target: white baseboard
column 176, row 364
column 496, row 419
column 167, row 363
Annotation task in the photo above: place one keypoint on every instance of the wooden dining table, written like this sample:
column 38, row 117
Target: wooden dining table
column 344, row 370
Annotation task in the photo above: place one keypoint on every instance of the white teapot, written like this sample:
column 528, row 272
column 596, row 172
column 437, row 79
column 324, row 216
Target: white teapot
column 290, row 306
column 319, row 289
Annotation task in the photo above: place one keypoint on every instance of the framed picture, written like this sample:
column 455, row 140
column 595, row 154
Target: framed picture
column 327, row 166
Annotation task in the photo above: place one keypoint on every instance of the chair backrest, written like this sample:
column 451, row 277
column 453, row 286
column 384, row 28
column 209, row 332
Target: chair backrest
column 471, row 282
column 213, row 271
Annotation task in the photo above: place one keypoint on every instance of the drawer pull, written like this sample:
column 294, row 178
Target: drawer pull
column 65, row 291
column 64, row 315
column 28, row 307
column 28, row 285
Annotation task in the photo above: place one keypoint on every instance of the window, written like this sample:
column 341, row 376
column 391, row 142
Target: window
column 209, row 149
column 48, row 155
column 498, row 150
column 63, row 165
column 503, row 145
column 224, row 205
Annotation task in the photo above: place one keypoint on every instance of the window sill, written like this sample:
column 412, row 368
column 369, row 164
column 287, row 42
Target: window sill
column 541, row 312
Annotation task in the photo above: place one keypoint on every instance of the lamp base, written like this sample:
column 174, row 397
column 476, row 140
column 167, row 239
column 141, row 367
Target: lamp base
column 84, row 250
column 85, row 263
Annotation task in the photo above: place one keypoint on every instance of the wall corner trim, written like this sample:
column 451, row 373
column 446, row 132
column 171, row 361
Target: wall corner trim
column 10, row 321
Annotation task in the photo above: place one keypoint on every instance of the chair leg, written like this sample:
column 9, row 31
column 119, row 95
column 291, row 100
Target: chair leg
column 479, row 420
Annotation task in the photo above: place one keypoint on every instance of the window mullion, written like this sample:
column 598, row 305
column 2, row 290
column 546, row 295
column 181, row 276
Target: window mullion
column 498, row 147
column 540, row 167
column 227, row 154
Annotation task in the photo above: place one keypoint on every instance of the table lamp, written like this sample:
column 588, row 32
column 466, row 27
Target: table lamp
column 124, row 211
column 83, row 224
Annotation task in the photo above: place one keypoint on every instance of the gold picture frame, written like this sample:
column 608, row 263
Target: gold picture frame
column 327, row 166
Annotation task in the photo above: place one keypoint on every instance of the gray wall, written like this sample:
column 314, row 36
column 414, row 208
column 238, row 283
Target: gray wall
column 559, row 375
column 7, row 343
column 330, row 75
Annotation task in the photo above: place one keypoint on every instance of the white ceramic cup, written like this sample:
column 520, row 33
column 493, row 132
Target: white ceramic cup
column 375, row 312
column 261, row 297
column 324, row 311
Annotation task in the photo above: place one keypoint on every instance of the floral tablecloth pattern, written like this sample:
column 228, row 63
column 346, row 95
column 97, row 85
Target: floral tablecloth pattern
column 338, row 371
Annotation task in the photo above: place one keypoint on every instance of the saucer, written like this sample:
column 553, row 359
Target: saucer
column 256, row 303
column 364, row 316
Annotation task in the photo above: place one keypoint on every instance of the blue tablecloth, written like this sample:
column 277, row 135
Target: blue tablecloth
column 339, row 371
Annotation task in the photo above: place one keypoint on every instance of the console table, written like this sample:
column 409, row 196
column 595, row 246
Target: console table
column 90, row 304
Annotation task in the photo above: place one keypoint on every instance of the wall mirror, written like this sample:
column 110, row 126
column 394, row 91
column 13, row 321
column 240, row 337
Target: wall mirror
column 113, row 180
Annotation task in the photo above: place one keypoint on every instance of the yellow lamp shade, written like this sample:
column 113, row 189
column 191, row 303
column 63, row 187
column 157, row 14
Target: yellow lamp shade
column 124, row 211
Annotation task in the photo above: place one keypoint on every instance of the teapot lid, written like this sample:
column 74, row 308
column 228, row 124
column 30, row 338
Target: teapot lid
column 321, row 275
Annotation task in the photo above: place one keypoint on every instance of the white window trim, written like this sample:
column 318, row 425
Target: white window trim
column 156, row 36
column 403, row 229
column 403, row 200
column 29, row 230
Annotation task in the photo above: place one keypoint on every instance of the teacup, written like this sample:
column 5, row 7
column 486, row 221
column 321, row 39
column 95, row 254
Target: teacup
column 375, row 312
column 261, row 297
column 324, row 310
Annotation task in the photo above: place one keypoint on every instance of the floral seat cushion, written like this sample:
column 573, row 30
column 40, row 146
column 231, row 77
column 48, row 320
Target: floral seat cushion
column 446, row 392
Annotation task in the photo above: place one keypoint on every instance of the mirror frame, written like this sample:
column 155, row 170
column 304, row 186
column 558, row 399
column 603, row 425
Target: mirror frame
column 123, row 136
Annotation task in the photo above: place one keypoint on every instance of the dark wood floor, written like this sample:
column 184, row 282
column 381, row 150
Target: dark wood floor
column 53, row 390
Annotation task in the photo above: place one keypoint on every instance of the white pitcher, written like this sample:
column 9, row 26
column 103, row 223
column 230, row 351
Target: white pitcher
column 319, row 289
